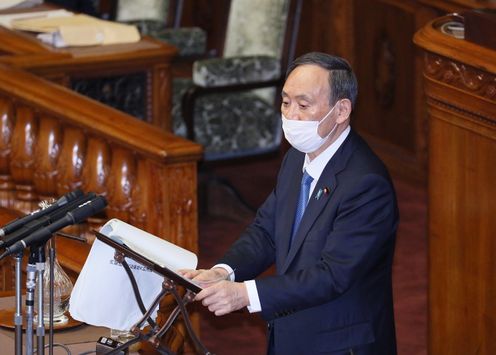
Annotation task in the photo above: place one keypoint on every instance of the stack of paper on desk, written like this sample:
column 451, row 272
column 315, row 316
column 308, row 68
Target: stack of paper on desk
column 77, row 30
column 103, row 294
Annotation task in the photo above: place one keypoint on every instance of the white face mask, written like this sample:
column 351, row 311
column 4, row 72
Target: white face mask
column 304, row 135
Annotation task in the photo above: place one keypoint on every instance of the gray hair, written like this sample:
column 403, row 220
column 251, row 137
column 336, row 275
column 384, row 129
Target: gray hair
column 342, row 80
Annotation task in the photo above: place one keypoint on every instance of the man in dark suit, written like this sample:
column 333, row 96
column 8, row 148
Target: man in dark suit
column 329, row 226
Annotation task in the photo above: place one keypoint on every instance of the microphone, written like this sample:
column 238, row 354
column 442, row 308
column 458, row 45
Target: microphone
column 42, row 235
column 19, row 222
column 31, row 226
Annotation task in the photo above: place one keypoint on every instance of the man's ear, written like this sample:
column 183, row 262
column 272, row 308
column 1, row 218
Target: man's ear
column 344, row 110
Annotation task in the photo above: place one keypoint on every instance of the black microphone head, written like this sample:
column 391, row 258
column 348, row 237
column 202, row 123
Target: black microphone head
column 77, row 214
column 70, row 196
column 88, row 209
column 74, row 194
column 20, row 222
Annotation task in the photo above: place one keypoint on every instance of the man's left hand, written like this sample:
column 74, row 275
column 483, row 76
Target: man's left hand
column 224, row 297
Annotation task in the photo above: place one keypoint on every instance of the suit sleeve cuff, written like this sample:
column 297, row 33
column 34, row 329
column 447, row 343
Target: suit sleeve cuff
column 251, row 288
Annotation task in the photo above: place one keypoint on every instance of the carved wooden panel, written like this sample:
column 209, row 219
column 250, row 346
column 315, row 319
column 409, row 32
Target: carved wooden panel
column 460, row 75
column 6, row 128
column 460, row 86
column 123, row 171
column 142, row 196
column 160, row 98
column 46, row 157
column 462, row 293
column 71, row 160
column 23, row 158
column 327, row 26
column 384, row 63
column 130, row 93
column 97, row 168
column 181, row 189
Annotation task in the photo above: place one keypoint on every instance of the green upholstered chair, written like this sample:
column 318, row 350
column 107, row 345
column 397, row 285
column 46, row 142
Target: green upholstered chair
column 231, row 103
column 219, row 107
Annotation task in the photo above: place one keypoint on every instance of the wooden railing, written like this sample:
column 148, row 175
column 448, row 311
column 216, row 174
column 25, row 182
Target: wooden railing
column 53, row 140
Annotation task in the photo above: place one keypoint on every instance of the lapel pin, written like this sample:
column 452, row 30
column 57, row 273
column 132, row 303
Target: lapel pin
column 323, row 191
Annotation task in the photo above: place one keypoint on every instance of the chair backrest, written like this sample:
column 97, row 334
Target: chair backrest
column 167, row 12
column 130, row 10
column 263, row 27
column 256, row 27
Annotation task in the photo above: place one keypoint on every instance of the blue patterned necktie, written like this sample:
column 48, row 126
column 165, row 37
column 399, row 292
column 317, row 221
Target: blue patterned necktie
column 306, row 181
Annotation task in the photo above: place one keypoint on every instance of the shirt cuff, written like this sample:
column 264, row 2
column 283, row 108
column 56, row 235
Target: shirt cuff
column 251, row 288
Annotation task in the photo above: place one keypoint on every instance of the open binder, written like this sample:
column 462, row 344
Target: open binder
column 163, row 271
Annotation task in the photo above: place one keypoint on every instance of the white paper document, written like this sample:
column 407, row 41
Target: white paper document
column 103, row 295
column 7, row 20
column 18, row 4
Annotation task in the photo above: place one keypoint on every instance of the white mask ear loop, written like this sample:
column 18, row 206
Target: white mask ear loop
column 324, row 118
column 328, row 114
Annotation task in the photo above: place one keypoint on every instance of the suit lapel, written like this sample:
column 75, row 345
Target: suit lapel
column 317, row 203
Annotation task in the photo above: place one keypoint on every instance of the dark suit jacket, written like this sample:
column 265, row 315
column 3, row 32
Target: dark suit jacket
column 332, row 291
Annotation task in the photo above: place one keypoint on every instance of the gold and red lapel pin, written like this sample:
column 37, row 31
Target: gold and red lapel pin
column 325, row 191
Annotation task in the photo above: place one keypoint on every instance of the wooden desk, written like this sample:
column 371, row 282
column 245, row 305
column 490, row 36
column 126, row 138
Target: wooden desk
column 135, row 77
column 78, row 339
column 460, row 86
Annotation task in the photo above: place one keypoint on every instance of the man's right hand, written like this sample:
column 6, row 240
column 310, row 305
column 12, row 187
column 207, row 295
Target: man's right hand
column 205, row 278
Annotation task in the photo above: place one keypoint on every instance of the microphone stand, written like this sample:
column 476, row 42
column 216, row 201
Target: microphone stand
column 30, row 286
column 38, row 256
column 51, row 302
column 51, row 255
column 34, row 275
column 18, row 304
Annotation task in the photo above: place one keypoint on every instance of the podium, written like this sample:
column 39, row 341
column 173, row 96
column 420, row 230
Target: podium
column 460, row 91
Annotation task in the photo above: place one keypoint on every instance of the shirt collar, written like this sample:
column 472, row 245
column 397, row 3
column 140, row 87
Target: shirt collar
column 315, row 167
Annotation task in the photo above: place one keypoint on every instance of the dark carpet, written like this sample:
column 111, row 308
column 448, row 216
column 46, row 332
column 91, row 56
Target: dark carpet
column 244, row 333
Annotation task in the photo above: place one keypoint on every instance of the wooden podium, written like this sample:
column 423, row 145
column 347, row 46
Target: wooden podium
column 460, row 90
